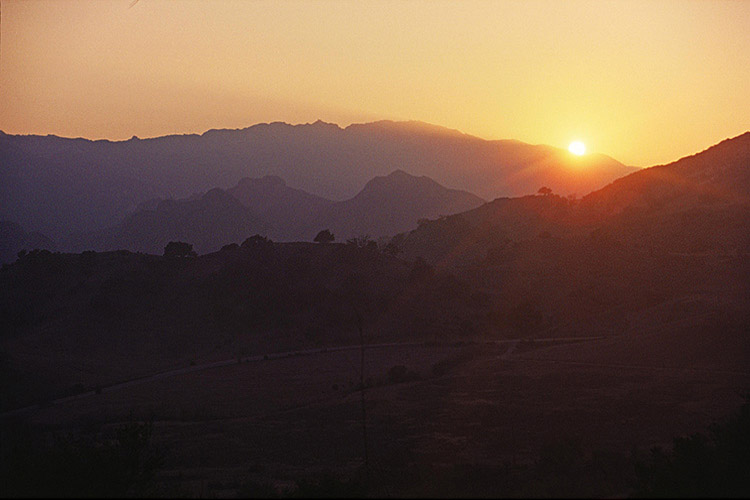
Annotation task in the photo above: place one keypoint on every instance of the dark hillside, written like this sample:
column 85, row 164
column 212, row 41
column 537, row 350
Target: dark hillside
column 82, row 320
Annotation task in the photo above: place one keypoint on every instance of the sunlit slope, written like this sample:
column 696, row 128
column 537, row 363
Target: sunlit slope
column 720, row 175
column 696, row 204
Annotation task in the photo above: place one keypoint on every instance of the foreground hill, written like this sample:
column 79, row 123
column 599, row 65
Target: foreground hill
column 58, row 185
column 385, row 206
column 75, row 321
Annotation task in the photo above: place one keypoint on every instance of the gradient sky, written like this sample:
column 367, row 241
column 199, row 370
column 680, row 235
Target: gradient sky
column 643, row 81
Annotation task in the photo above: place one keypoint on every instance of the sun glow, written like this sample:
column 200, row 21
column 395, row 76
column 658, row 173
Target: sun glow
column 577, row 148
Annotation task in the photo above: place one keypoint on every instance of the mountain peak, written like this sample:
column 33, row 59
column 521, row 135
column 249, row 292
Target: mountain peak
column 397, row 178
column 400, row 174
column 323, row 125
column 401, row 184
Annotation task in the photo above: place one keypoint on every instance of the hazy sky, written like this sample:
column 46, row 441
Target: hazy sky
column 644, row 81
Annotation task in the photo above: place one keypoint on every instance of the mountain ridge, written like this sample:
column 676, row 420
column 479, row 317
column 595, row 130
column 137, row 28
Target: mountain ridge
column 58, row 185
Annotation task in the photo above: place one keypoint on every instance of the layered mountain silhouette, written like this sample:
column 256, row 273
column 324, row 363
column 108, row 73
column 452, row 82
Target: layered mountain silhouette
column 385, row 206
column 699, row 203
column 58, row 185
column 656, row 260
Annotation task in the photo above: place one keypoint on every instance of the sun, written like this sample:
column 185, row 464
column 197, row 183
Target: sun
column 577, row 148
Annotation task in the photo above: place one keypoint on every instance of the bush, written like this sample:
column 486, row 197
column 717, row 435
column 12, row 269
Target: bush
column 257, row 242
column 717, row 465
column 324, row 236
column 179, row 249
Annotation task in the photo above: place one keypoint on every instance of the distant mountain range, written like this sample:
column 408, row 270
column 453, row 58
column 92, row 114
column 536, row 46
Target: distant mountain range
column 57, row 185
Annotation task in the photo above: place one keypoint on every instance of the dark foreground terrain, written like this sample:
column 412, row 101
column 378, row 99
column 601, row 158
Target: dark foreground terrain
column 467, row 419
column 238, row 373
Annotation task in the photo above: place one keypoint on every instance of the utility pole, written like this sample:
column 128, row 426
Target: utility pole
column 362, row 394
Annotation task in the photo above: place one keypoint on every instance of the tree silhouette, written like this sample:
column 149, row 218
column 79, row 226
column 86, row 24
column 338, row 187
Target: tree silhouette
column 544, row 191
column 179, row 249
column 324, row 236
column 714, row 465
column 257, row 241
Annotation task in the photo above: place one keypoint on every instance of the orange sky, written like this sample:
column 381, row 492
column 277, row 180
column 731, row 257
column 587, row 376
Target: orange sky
column 644, row 81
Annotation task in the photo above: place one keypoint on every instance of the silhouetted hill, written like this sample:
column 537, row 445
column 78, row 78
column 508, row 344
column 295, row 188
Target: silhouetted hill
column 466, row 237
column 664, row 250
column 95, row 318
column 386, row 206
column 290, row 213
column 270, row 194
column 13, row 239
column 696, row 204
column 208, row 222
column 59, row 185
column 392, row 204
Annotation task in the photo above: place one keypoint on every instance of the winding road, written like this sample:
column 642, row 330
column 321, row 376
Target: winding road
column 513, row 343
